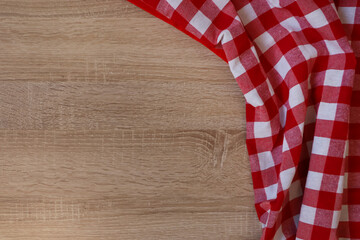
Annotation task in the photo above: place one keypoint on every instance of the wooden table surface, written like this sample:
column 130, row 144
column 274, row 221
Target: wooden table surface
column 115, row 125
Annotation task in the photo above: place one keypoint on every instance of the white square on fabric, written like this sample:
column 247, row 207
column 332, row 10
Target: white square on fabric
column 200, row 22
column 335, row 219
column 262, row 129
column 265, row 160
column 253, row 49
column 321, row 146
column 236, row 67
column 253, row 98
column 333, row 77
column 282, row 115
column 174, row 3
column 347, row 14
column 271, row 191
column 221, row 3
column 301, row 127
column 327, row 111
column 247, row 14
column 291, row 24
column 307, row 214
column 308, row 51
column 282, row 67
column 314, row 180
column 316, row 18
column 285, row 145
column 296, row 96
column 264, row 41
column 333, row 47
column 340, row 187
column 286, row 177
column 224, row 37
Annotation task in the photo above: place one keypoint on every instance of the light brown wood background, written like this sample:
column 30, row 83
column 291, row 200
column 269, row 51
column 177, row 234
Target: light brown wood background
column 115, row 125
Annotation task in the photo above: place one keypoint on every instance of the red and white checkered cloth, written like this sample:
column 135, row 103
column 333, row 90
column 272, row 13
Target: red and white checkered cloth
column 294, row 62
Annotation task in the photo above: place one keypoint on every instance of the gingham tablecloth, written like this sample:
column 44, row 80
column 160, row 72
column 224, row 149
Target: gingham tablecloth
column 295, row 63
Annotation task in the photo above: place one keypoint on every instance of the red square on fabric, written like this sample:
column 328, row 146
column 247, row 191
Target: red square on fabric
column 268, row 19
column 355, row 131
column 282, row 91
column 337, row 29
column 153, row 3
column 223, row 21
column 354, row 229
column 198, row 3
column 312, row 35
column 350, row 62
column 254, row 75
column 294, row 8
column 242, row 43
column 333, row 165
column 339, row 130
column 287, row 43
column 295, row 151
column 322, row 63
column 356, row 32
column 326, row 200
column 301, row 73
column 271, row 107
column 258, row 180
column 179, row 19
column 320, row 233
column 317, row 94
column 354, row 164
column 345, row 95
column 290, row 120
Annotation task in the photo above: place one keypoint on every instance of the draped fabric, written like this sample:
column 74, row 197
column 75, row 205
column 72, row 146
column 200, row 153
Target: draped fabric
column 295, row 63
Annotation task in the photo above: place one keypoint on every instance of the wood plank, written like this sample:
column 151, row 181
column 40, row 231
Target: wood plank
column 70, row 8
column 104, row 49
column 193, row 94
column 162, row 226
column 168, row 183
column 120, row 105
column 88, row 159
column 115, row 125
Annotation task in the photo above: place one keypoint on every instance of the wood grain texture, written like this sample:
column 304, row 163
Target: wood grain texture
column 115, row 125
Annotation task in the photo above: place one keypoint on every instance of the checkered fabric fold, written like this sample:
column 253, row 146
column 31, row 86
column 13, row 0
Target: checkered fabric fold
column 295, row 63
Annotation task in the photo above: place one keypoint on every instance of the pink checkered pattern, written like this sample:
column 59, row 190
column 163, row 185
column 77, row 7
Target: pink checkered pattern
column 296, row 68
